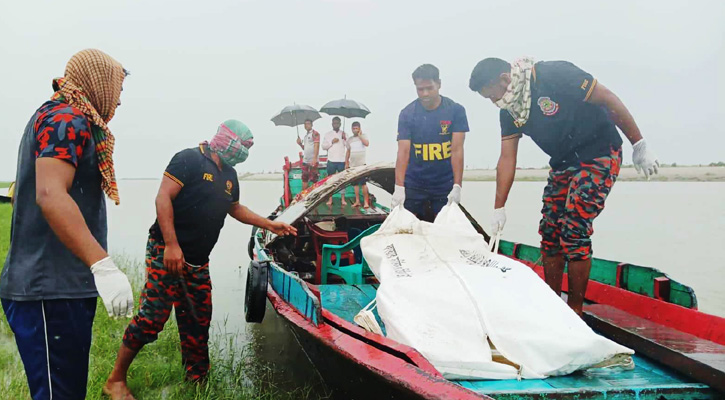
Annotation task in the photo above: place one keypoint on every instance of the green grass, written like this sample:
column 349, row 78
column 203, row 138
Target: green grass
column 157, row 371
column 4, row 184
column 6, row 213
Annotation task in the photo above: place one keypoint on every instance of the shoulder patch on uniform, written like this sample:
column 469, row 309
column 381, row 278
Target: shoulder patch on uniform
column 548, row 106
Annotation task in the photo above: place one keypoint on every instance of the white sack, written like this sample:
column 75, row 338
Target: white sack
column 443, row 293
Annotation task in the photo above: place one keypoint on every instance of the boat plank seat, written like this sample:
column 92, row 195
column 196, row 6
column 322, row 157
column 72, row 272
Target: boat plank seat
column 692, row 356
column 332, row 255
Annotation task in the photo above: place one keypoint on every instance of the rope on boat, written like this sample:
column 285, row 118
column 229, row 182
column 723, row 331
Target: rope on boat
column 493, row 244
column 366, row 319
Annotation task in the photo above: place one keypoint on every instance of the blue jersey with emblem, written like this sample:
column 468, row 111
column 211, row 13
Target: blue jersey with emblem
column 561, row 122
column 430, row 133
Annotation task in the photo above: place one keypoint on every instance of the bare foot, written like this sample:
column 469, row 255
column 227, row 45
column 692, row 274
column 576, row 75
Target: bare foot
column 329, row 203
column 344, row 203
column 356, row 205
column 117, row 391
column 366, row 205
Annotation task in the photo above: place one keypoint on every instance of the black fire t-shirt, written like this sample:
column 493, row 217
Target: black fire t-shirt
column 207, row 194
column 561, row 122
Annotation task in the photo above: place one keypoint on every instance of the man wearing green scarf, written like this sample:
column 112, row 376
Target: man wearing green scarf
column 199, row 189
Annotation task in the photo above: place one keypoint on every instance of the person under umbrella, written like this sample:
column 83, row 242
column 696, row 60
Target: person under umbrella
column 295, row 115
column 310, row 155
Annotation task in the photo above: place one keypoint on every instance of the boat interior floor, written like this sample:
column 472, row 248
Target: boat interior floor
column 323, row 211
column 649, row 379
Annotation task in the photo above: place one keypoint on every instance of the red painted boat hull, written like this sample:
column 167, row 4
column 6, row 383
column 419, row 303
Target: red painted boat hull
column 354, row 369
column 358, row 364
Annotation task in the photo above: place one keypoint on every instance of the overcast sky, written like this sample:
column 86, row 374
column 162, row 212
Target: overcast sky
column 195, row 64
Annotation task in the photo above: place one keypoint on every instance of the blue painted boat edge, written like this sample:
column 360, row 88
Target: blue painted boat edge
column 346, row 300
column 538, row 386
column 291, row 288
column 608, row 391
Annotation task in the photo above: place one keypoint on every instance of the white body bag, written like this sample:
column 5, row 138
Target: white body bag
column 445, row 294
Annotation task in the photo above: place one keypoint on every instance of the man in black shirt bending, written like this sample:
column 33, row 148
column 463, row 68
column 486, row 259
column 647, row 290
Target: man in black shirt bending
column 574, row 120
column 199, row 189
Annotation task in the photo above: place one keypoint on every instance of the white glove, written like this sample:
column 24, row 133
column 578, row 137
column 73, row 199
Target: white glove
column 644, row 159
column 114, row 288
column 455, row 195
column 398, row 196
column 498, row 221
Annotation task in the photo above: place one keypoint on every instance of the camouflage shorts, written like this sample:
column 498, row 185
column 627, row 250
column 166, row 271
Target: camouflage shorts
column 572, row 199
column 189, row 295
column 310, row 173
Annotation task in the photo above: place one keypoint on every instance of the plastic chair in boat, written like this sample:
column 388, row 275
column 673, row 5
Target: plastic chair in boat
column 352, row 274
column 320, row 238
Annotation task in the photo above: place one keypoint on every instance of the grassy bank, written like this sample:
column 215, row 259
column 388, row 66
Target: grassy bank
column 157, row 372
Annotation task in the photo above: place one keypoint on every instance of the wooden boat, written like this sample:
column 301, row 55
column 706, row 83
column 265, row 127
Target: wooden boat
column 680, row 352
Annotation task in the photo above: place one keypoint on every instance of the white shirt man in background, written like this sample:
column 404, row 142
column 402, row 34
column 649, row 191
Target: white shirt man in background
column 356, row 150
column 311, row 150
column 335, row 144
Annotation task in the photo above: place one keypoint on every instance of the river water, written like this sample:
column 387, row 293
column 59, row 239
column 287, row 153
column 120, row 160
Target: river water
column 676, row 227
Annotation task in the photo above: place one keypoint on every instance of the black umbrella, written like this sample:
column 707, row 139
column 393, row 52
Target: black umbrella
column 346, row 108
column 295, row 115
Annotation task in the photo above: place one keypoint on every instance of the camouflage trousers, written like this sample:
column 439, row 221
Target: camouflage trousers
column 189, row 295
column 572, row 199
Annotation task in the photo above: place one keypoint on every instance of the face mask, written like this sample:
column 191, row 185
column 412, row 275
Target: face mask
column 232, row 142
column 234, row 158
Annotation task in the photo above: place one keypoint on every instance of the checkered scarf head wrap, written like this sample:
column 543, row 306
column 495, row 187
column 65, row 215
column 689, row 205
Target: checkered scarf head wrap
column 232, row 142
column 92, row 83
column 517, row 99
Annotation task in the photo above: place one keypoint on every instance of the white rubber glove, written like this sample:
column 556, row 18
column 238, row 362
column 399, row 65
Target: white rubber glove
column 114, row 288
column 498, row 221
column 455, row 195
column 644, row 159
column 398, row 196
